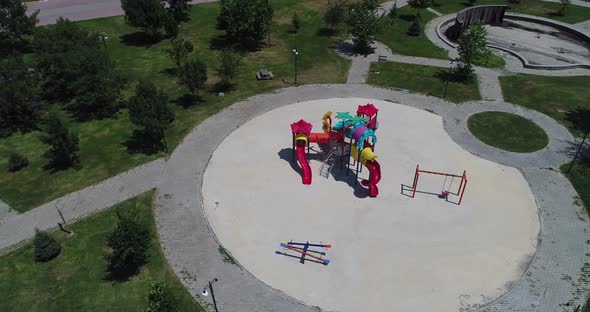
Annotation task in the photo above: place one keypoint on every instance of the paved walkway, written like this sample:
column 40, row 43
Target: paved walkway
column 556, row 277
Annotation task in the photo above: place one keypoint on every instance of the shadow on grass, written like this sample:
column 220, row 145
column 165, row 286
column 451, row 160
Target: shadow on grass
column 407, row 17
column 349, row 49
column 143, row 142
column 327, row 32
column 222, row 42
column 122, row 274
column 170, row 72
column 188, row 100
column 445, row 76
column 554, row 14
column 138, row 39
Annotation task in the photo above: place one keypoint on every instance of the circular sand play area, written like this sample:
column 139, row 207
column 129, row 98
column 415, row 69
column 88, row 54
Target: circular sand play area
column 389, row 253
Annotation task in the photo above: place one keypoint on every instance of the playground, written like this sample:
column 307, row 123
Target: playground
column 267, row 186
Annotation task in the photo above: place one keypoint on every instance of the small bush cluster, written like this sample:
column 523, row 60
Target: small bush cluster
column 16, row 162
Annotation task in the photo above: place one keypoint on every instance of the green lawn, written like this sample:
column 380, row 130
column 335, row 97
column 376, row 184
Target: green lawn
column 75, row 280
column 507, row 131
column 574, row 13
column 580, row 178
column 553, row 96
column 421, row 79
column 395, row 36
column 102, row 150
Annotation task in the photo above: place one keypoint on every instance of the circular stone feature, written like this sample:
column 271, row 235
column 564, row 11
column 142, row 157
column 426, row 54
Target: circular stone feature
column 388, row 251
column 507, row 131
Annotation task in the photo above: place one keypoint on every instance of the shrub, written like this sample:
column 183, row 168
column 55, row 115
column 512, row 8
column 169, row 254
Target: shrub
column 45, row 247
column 16, row 162
column 160, row 298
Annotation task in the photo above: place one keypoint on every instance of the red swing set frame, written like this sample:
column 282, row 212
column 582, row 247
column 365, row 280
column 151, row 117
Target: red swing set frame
column 444, row 193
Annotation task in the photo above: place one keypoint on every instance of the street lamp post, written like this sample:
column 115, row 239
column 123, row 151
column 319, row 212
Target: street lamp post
column 208, row 288
column 296, row 53
column 452, row 66
column 104, row 44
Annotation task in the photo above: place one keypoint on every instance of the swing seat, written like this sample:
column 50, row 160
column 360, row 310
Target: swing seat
column 444, row 194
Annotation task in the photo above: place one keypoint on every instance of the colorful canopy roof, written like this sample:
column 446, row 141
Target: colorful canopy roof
column 369, row 109
column 301, row 126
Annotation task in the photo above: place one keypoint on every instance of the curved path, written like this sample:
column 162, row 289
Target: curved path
column 555, row 280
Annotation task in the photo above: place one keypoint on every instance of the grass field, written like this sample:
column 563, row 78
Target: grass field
column 574, row 13
column 421, row 79
column 395, row 36
column 553, row 96
column 75, row 280
column 102, row 149
column 507, row 131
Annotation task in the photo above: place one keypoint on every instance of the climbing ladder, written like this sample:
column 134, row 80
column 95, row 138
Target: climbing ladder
column 330, row 160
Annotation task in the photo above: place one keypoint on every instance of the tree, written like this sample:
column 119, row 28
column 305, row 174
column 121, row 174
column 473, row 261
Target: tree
column 178, row 9
column 16, row 162
column 472, row 48
column 336, row 12
column 160, row 298
column 419, row 5
column 393, row 11
column 563, row 4
column 15, row 26
column 179, row 50
column 99, row 85
column 18, row 96
column 171, row 26
column 229, row 68
column 45, row 247
column 149, row 109
column 580, row 119
column 128, row 243
column 57, row 57
column 63, row 142
column 246, row 22
column 415, row 29
column 193, row 74
column 295, row 22
column 364, row 24
column 149, row 15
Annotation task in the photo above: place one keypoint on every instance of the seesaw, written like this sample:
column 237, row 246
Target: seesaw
column 305, row 251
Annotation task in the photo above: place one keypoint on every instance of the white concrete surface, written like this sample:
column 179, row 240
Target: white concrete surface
column 413, row 254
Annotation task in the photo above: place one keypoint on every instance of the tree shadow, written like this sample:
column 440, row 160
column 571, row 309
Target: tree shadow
column 122, row 274
column 143, row 142
column 407, row 17
column 327, row 32
column 138, row 39
column 467, row 4
column 57, row 166
column 349, row 49
column 221, row 86
column 446, row 75
column 171, row 72
column 553, row 14
column 187, row 100
column 222, row 42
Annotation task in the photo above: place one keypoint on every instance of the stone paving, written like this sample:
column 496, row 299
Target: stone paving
column 556, row 278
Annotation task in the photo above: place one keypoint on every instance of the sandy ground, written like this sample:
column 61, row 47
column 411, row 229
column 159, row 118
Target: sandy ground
column 390, row 252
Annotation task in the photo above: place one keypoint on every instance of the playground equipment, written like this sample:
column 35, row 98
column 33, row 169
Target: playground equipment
column 445, row 191
column 304, row 251
column 352, row 136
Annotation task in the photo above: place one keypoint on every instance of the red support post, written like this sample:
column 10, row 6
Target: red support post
column 415, row 180
column 462, row 191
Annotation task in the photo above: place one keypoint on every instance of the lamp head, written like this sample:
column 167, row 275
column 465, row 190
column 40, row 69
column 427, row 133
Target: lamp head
column 205, row 293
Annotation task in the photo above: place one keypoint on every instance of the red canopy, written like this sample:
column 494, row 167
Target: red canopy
column 369, row 110
column 301, row 126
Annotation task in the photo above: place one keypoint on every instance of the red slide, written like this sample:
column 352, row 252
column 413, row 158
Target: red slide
column 374, row 177
column 302, row 157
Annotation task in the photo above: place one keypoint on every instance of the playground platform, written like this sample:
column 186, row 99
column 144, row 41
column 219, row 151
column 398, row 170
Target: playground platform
column 415, row 252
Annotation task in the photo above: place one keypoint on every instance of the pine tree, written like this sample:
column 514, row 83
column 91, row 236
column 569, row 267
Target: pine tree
column 62, row 141
column 149, row 109
column 129, row 244
column 45, row 247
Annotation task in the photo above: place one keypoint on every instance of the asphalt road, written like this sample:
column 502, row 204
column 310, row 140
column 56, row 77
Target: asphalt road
column 77, row 10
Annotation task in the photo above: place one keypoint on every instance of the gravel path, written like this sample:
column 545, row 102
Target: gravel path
column 556, row 277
